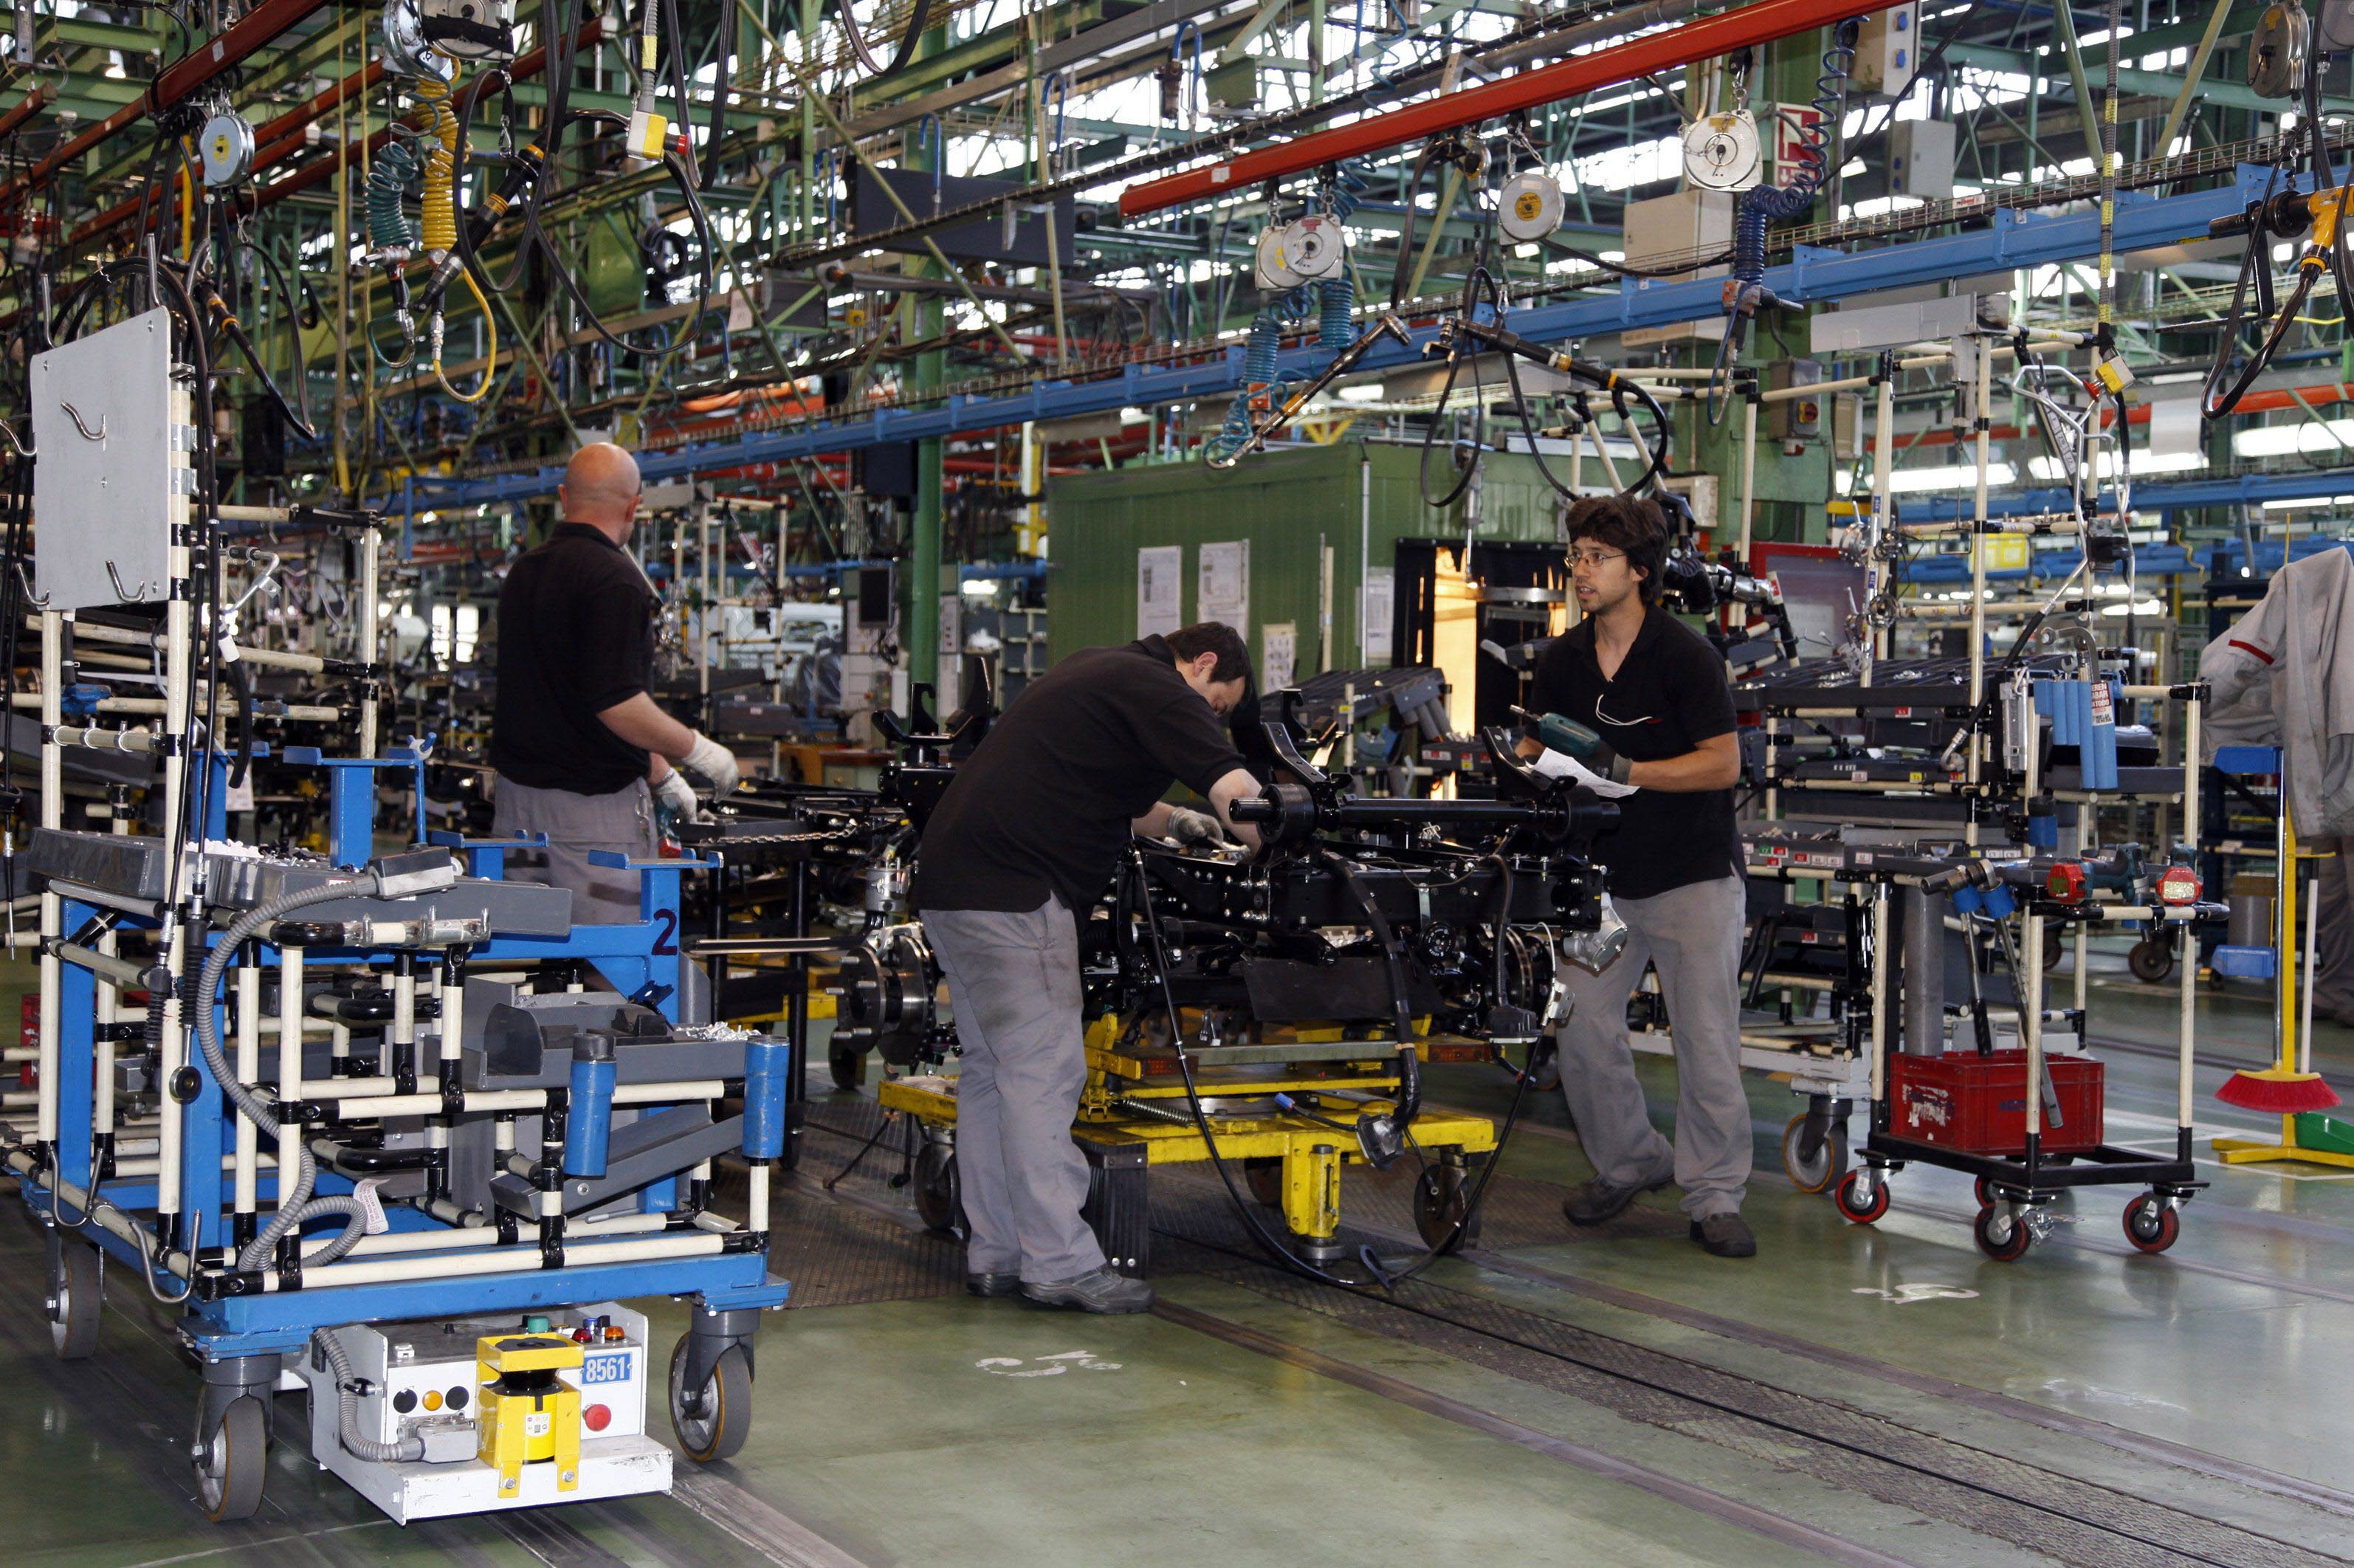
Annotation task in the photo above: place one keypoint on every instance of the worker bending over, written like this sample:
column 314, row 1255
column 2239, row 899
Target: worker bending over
column 1650, row 723
column 581, row 749
column 1022, row 844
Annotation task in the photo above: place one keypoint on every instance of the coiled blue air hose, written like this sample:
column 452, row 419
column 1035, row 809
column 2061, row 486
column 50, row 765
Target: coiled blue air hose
column 1333, row 300
column 388, row 226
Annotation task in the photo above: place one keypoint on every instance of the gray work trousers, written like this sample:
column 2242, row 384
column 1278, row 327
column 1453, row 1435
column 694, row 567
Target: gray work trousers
column 575, row 824
column 1013, row 982
column 1693, row 935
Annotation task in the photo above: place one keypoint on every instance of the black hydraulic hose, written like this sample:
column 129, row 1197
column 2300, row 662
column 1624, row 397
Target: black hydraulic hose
column 1401, row 1003
column 905, row 51
column 724, row 56
column 240, row 680
column 677, row 52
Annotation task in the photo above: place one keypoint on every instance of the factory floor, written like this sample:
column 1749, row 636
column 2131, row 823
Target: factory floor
column 1880, row 1396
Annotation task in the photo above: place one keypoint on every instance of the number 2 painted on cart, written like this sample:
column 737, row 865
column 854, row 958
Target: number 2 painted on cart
column 666, row 938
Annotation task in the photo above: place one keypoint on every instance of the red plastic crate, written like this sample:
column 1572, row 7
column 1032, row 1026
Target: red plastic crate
column 1978, row 1105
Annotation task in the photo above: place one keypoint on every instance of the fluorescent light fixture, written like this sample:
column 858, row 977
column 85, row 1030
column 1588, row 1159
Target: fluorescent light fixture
column 1960, row 477
column 2048, row 468
column 2310, row 503
column 2306, row 437
column 1364, row 392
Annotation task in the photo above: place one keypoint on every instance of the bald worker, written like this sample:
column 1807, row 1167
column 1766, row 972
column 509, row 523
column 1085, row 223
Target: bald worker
column 581, row 749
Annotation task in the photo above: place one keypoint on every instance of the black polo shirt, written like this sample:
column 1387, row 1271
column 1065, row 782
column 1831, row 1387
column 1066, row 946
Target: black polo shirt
column 576, row 635
column 1043, row 805
column 1670, row 695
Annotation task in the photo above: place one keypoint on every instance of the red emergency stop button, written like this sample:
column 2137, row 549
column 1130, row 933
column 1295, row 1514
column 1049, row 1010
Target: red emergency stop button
column 596, row 1417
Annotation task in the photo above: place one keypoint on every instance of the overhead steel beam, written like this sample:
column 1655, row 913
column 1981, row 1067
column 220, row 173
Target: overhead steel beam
column 1746, row 27
column 2012, row 241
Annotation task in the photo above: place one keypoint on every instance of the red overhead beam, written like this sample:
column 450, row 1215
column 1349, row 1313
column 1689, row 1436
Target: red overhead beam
column 1761, row 23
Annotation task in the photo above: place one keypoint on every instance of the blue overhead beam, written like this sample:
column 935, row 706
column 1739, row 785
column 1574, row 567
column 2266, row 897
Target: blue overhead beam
column 2011, row 239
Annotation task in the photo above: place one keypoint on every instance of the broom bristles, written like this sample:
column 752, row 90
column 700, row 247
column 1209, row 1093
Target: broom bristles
column 2277, row 1092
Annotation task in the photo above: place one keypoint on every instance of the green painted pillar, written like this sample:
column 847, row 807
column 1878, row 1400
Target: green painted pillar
column 923, row 623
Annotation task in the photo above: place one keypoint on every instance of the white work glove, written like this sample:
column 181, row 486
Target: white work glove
column 1561, row 765
column 712, row 762
column 1191, row 828
column 675, row 794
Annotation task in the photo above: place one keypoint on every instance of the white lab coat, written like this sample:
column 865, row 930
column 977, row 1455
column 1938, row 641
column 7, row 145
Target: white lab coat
column 2285, row 677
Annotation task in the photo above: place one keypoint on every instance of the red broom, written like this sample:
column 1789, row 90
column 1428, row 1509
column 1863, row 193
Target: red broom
column 2283, row 1090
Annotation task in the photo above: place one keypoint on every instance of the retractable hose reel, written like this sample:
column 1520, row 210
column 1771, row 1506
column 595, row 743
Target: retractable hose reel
column 1721, row 156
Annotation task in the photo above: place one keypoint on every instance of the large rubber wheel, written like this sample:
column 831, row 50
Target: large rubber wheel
column 2152, row 1224
column 74, row 1309
column 718, row 1430
column 937, row 1201
column 1440, row 1196
column 1843, row 1197
column 2150, row 962
column 232, row 1464
column 848, row 1066
column 1264, row 1177
column 1821, row 1173
column 2001, row 1235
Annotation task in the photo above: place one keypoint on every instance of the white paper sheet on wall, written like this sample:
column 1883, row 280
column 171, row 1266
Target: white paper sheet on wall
column 1381, row 597
column 1223, row 592
column 1160, row 589
column 1278, row 659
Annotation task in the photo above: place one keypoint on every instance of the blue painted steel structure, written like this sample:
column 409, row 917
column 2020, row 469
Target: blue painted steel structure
column 2011, row 239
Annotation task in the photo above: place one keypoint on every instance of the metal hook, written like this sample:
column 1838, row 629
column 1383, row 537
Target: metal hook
column 9, row 432
column 86, row 433
column 124, row 594
column 40, row 601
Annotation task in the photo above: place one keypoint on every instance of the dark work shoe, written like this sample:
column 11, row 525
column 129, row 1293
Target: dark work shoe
column 1101, row 1291
column 1726, row 1236
column 1599, row 1202
column 994, row 1285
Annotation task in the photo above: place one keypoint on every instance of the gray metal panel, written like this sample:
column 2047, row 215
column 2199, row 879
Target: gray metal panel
column 104, row 502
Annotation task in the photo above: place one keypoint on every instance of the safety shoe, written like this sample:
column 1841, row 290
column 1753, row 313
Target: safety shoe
column 1101, row 1291
column 1600, row 1200
column 994, row 1286
column 1725, row 1235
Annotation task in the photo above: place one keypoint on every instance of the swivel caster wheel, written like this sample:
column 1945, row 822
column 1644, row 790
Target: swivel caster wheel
column 939, row 1202
column 848, row 1066
column 1822, row 1173
column 1442, row 1215
column 715, row 1428
column 2151, row 962
column 1264, row 1176
column 76, row 1296
column 232, row 1463
column 2001, row 1235
column 1861, row 1208
column 2152, row 1224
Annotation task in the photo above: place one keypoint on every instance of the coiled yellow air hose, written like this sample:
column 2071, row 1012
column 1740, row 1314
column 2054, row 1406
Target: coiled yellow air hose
column 438, row 227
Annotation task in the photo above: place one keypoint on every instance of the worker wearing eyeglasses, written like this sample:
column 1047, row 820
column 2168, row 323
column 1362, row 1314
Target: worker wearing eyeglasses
column 1637, row 708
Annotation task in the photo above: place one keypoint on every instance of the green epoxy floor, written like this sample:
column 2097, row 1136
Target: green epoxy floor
column 2190, row 1406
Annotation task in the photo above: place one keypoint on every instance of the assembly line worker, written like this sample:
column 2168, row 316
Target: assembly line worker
column 1648, row 696
column 1026, row 838
column 581, row 749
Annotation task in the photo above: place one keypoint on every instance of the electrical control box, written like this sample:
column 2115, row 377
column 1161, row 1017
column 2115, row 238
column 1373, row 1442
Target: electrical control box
column 1887, row 50
column 1921, row 159
column 1795, row 419
column 1679, row 228
column 424, row 1380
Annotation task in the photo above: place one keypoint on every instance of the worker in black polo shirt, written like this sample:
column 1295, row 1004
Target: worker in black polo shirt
column 580, row 747
column 1650, row 723
column 1020, row 847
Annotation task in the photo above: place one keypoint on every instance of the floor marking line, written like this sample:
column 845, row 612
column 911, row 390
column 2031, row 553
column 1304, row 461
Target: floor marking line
column 776, row 1535
column 253, row 1545
column 1701, row 1500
